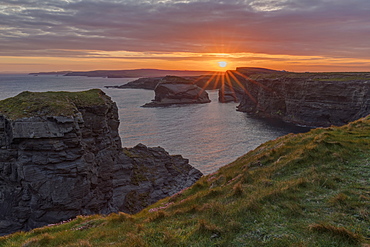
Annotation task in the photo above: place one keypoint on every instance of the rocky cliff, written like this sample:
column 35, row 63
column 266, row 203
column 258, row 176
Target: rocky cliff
column 61, row 156
column 177, row 90
column 232, row 89
column 312, row 99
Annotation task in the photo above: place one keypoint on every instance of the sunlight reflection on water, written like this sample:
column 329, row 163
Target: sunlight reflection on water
column 209, row 135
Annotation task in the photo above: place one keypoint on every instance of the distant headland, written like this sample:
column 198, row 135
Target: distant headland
column 134, row 73
column 309, row 99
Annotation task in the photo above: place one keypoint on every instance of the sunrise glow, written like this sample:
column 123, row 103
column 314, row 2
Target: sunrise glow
column 113, row 35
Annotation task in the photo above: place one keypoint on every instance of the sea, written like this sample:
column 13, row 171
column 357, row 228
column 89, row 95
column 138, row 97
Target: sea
column 209, row 135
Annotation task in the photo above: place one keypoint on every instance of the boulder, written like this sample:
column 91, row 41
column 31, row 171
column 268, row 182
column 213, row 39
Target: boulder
column 176, row 90
column 61, row 156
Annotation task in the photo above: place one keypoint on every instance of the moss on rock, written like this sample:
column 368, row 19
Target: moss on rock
column 31, row 104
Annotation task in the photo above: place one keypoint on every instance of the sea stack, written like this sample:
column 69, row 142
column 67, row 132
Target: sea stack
column 172, row 90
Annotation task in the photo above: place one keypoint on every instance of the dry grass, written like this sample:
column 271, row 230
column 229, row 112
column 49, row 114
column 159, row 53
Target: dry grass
column 341, row 232
column 299, row 190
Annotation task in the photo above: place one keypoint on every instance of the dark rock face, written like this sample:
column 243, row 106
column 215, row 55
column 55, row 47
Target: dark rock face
column 53, row 168
column 227, row 94
column 154, row 175
column 309, row 99
column 176, row 90
column 232, row 92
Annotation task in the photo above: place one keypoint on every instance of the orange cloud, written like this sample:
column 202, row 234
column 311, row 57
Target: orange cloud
column 294, row 35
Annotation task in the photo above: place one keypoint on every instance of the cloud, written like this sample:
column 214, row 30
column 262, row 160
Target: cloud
column 333, row 28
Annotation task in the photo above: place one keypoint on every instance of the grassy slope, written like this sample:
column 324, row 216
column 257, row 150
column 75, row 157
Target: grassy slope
column 309, row 189
column 28, row 104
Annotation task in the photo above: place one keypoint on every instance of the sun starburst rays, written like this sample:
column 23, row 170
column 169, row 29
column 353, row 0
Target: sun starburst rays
column 230, row 82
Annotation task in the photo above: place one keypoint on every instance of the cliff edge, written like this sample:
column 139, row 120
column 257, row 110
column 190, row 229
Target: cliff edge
column 61, row 156
column 311, row 99
column 308, row 189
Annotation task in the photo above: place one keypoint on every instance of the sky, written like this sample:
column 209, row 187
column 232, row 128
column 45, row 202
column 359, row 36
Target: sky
column 81, row 35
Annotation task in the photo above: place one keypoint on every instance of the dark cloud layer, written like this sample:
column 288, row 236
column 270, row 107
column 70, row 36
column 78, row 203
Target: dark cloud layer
column 332, row 28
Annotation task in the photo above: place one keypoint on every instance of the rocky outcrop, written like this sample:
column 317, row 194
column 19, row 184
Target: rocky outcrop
column 154, row 175
column 176, row 90
column 311, row 99
column 64, row 158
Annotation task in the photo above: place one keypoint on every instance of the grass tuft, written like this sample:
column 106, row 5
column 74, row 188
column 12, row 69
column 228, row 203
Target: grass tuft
column 158, row 215
column 207, row 229
column 82, row 243
column 335, row 231
column 238, row 190
column 340, row 198
column 120, row 217
column 134, row 240
column 42, row 240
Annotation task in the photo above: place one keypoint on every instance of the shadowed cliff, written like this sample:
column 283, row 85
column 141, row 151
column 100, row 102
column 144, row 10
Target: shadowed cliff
column 61, row 156
column 311, row 99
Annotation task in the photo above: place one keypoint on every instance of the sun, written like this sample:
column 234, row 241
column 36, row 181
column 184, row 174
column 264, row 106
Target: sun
column 222, row 64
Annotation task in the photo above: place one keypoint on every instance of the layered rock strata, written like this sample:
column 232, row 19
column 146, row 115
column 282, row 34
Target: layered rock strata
column 64, row 158
column 176, row 90
column 311, row 99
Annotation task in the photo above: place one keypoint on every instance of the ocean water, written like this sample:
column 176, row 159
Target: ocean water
column 209, row 135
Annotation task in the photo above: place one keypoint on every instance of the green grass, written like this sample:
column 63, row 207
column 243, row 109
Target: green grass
column 29, row 104
column 310, row 189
